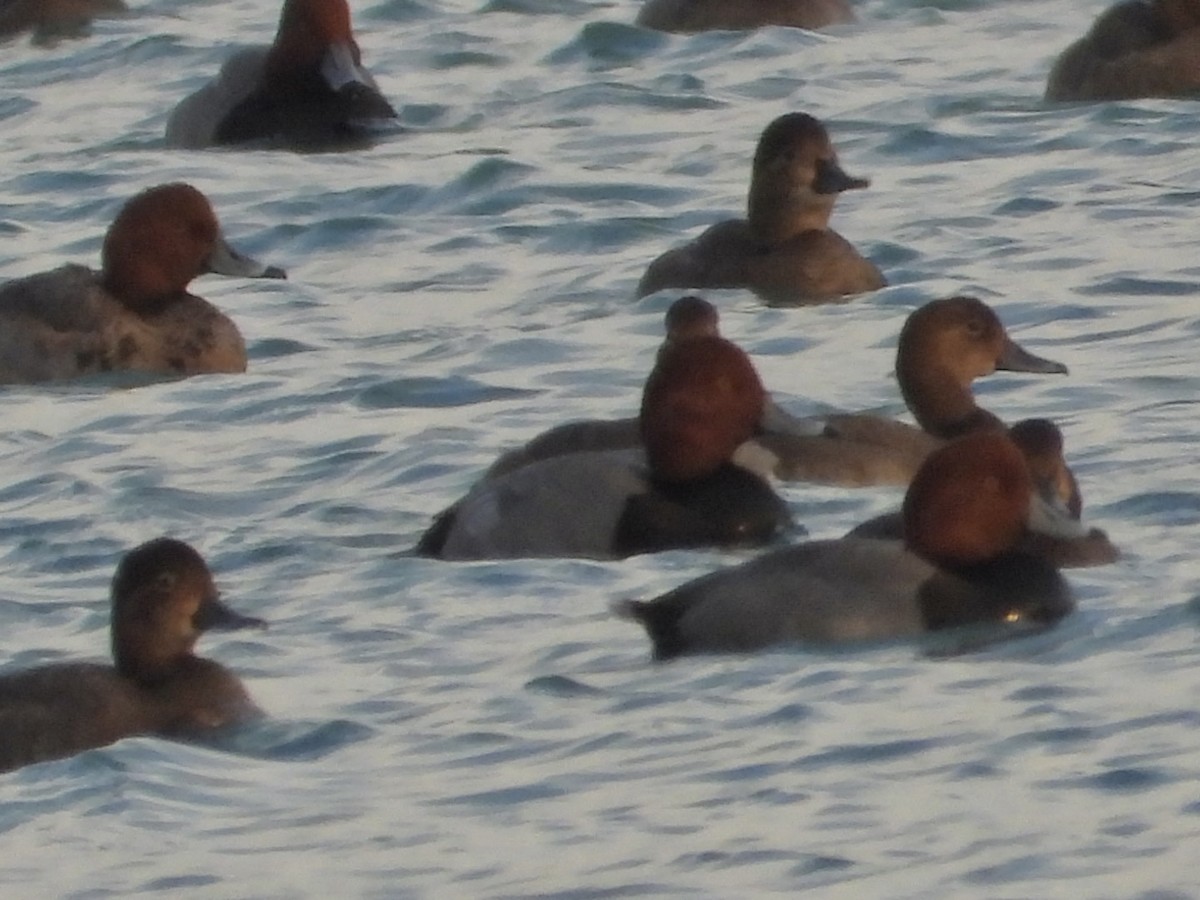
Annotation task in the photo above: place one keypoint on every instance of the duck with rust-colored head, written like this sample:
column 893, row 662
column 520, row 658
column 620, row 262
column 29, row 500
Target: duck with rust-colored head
column 678, row 488
column 1056, row 495
column 959, row 564
column 136, row 313
column 308, row 91
column 784, row 250
column 163, row 599
column 1137, row 48
column 689, row 16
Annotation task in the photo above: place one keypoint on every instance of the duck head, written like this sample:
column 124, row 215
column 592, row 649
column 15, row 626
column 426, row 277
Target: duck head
column 795, row 180
column 163, row 599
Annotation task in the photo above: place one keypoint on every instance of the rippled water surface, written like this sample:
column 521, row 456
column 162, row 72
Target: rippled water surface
column 489, row 730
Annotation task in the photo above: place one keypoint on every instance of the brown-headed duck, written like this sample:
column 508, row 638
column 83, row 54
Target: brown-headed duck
column 943, row 347
column 308, row 91
column 965, row 515
column 784, row 250
column 686, row 317
column 49, row 20
column 1138, row 48
column 679, row 489
column 687, row 16
column 136, row 313
column 163, row 599
column 1041, row 443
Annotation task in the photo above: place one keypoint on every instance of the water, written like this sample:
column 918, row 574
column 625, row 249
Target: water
column 489, row 730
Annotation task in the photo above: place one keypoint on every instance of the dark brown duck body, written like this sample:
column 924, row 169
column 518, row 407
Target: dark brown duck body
column 163, row 598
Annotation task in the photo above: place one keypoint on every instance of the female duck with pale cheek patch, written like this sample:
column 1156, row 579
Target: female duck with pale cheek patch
column 308, row 91
column 49, row 20
column 136, row 313
column 1138, row 48
column 741, row 15
column 959, row 564
column 700, row 403
column 784, row 250
column 163, row 599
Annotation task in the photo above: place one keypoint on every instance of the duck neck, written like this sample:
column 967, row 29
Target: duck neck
column 776, row 216
column 942, row 405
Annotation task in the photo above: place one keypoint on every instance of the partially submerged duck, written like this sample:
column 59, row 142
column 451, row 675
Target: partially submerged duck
column 784, row 250
column 960, row 564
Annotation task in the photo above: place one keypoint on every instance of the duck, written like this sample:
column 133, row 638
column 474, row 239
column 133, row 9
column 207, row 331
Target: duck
column 784, row 250
column 687, row 317
column 135, row 314
column 49, row 20
column 1137, row 48
column 943, row 347
column 1055, row 487
column 308, row 91
column 678, row 488
column 689, row 16
column 163, row 598
column 959, row 564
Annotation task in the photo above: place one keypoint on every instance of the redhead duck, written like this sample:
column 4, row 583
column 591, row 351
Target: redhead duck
column 1041, row 443
column 701, row 401
column 965, row 514
column 784, row 250
column 52, row 19
column 1139, row 48
column 687, row 317
column 686, row 16
column 308, row 91
column 135, row 314
column 943, row 347
column 163, row 599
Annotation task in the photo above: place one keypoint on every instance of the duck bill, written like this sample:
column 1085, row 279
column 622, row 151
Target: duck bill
column 224, row 260
column 1049, row 516
column 213, row 615
column 340, row 68
column 1015, row 358
column 357, row 92
column 832, row 179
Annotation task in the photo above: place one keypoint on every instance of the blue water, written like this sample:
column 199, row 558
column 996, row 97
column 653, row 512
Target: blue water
column 489, row 730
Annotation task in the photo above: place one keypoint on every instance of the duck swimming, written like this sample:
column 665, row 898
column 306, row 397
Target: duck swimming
column 960, row 564
column 943, row 347
column 1138, row 48
column 712, row 15
column 679, row 489
column 784, row 250
column 1041, row 443
column 136, row 313
column 163, row 599
column 308, row 91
